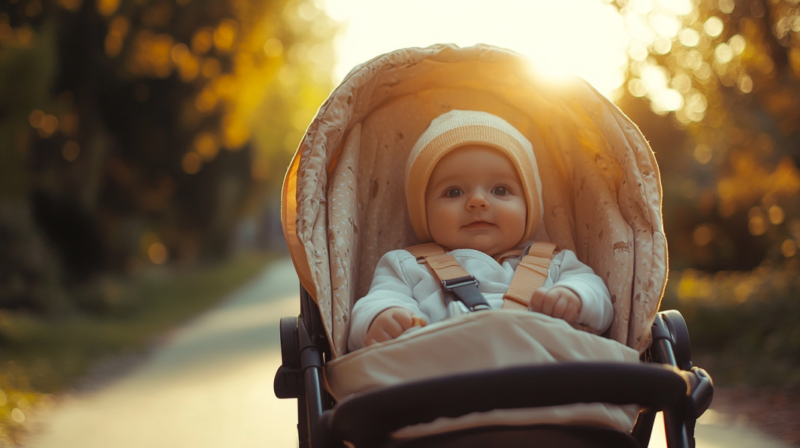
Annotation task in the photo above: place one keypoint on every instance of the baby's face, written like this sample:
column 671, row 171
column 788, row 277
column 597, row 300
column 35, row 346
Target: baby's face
column 475, row 200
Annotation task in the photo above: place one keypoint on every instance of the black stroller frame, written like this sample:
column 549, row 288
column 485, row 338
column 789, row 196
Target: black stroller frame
column 668, row 383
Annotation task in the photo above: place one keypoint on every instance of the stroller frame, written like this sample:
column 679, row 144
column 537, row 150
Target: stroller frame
column 667, row 383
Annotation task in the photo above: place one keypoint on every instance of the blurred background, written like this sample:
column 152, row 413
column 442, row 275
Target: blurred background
column 143, row 144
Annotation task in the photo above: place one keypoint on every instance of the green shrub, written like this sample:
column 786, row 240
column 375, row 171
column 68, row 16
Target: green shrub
column 744, row 323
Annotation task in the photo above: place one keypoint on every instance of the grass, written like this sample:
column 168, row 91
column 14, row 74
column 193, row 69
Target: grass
column 41, row 356
column 743, row 325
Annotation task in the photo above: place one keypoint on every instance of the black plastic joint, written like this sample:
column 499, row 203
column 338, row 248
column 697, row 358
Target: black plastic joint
column 702, row 392
column 288, row 383
column 310, row 354
column 660, row 330
column 311, row 357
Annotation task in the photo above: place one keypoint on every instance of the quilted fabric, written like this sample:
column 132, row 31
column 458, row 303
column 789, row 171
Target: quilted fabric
column 343, row 196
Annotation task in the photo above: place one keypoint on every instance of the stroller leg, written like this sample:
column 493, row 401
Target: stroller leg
column 677, row 435
column 644, row 427
column 302, row 423
column 671, row 338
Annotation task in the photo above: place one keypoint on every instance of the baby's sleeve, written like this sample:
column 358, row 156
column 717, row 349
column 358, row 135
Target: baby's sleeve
column 596, row 309
column 390, row 288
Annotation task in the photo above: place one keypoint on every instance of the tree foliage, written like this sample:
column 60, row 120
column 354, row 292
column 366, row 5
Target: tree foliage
column 727, row 73
column 139, row 131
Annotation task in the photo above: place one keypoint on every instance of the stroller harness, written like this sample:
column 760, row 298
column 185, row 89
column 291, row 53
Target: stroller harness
column 529, row 276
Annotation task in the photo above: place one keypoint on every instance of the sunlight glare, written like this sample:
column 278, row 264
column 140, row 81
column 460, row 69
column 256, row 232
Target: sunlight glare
column 582, row 37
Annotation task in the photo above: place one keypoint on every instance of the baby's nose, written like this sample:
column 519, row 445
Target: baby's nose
column 477, row 200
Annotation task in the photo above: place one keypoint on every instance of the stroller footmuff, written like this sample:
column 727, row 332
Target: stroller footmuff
column 513, row 377
column 513, row 338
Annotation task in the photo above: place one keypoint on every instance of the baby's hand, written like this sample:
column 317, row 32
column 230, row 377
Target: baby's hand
column 558, row 302
column 390, row 324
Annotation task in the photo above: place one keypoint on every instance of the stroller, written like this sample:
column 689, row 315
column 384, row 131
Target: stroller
column 343, row 207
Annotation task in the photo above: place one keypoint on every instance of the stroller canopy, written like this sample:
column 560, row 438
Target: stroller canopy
column 343, row 199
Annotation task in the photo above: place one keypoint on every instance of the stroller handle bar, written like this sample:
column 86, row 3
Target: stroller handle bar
column 367, row 417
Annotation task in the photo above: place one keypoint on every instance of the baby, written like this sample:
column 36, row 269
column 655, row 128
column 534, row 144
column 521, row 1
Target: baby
column 472, row 186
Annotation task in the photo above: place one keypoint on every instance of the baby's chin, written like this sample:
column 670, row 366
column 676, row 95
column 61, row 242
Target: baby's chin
column 491, row 250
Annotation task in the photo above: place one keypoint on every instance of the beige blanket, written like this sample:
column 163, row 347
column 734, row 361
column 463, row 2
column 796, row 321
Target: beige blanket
column 483, row 341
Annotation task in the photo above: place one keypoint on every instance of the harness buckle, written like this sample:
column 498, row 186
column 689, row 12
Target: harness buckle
column 459, row 282
column 466, row 290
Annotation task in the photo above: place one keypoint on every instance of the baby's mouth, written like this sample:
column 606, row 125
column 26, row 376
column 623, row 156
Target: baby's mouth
column 478, row 225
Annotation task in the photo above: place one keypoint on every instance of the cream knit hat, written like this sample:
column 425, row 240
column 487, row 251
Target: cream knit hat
column 460, row 128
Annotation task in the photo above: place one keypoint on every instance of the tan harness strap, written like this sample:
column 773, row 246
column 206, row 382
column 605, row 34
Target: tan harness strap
column 530, row 275
column 512, row 253
column 444, row 267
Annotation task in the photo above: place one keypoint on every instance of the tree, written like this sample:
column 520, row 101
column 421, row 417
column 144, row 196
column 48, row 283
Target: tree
column 139, row 131
column 726, row 73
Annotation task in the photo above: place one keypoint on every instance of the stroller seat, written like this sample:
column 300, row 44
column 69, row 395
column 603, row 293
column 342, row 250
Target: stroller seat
column 343, row 208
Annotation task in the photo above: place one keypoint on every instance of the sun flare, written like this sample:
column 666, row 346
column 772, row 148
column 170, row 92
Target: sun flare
column 582, row 37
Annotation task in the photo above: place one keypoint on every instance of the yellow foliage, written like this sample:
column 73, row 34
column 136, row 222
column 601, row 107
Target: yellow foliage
column 107, row 7
column 116, row 34
column 235, row 131
column 202, row 40
column 187, row 63
column 721, row 287
column 191, row 163
column 157, row 15
column 206, row 145
column 206, row 101
column 693, row 286
column 70, row 5
column 211, row 68
column 751, row 181
column 225, row 35
column 151, row 54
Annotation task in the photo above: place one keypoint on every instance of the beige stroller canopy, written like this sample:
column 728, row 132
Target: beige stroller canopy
column 343, row 203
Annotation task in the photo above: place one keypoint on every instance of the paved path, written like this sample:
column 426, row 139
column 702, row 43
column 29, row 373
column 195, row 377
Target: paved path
column 210, row 386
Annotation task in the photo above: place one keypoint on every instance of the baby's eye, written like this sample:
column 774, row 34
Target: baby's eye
column 500, row 191
column 453, row 193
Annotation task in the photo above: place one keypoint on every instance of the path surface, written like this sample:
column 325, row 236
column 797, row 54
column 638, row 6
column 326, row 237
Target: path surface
column 210, row 386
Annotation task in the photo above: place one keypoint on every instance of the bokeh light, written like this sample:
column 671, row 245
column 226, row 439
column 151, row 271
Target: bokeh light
column 207, row 145
column 17, row 415
column 157, row 253
column 757, row 224
column 107, row 7
column 582, row 37
column 703, row 235
column 789, row 248
column 70, row 151
column 713, row 26
column 191, row 162
column 702, row 153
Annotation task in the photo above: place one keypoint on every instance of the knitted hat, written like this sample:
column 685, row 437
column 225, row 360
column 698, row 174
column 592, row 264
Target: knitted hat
column 459, row 128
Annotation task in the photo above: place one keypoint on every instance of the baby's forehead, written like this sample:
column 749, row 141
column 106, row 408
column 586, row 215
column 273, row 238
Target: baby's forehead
column 473, row 165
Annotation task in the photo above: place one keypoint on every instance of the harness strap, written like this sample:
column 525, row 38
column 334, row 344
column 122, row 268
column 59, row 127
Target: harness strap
column 444, row 267
column 451, row 275
column 530, row 275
